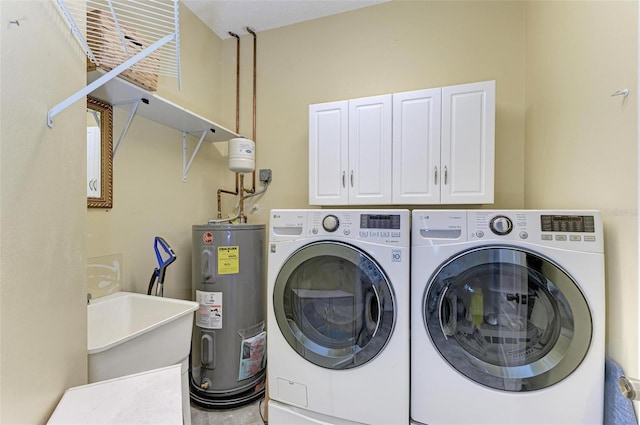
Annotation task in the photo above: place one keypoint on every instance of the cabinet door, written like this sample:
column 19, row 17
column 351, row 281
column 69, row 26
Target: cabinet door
column 328, row 153
column 468, row 140
column 94, row 184
column 370, row 150
column 416, row 147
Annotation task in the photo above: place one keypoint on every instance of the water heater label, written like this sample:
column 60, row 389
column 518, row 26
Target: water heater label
column 228, row 259
column 209, row 314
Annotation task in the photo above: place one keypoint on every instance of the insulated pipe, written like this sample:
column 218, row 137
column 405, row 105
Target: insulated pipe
column 221, row 191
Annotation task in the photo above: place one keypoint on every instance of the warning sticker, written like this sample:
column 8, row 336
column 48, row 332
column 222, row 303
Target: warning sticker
column 209, row 314
column 252, row 356
column 228, row 259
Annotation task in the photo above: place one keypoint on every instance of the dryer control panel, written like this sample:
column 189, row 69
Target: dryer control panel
column 569, row 229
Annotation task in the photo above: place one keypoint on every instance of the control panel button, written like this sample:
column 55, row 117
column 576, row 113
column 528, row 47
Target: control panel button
column 524, row 235
column 562, row 238
column 501, row 225
column 480, row 234
column 575, row 238
column 346, row 232
column 314, row 230
column 546, row 237
column 330, row 223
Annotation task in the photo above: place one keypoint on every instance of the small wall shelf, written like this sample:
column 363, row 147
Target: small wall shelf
column 122, row 94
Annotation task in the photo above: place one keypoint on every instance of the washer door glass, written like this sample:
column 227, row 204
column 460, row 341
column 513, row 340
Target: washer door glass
column 507, row 318
column 334, row 305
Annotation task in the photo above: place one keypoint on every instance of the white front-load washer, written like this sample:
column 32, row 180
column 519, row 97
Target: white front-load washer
column 338, row 316
column 508, row 317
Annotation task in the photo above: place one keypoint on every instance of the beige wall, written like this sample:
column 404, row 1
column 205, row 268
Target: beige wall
column 43, row 346
column 581, row 143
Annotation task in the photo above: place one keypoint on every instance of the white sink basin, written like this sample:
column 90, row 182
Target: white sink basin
column 131, row 333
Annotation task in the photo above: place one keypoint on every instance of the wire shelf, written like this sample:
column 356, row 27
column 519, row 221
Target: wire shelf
column 112, row 31
column 138, row 39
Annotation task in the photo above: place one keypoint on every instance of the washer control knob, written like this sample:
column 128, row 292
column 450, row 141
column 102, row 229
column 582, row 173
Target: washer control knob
column 501, row 225
column 330, row 223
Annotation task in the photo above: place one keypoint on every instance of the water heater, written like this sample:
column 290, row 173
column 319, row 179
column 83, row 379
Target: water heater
column 229, row 281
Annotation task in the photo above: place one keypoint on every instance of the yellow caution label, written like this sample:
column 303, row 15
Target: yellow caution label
column 228, row 259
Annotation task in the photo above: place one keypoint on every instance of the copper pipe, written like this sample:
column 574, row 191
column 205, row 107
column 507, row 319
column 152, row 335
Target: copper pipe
column 243, row 218
column 255, row 48
column 237, row 79
column 221, row 191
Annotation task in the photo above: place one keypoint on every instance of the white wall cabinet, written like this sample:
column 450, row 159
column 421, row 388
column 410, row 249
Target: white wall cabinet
column 416, row 147
column 94, row 153
column 350, row 152
column 433, row 146
column 467, row 154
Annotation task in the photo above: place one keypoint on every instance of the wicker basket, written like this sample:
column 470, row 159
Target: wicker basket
column 104, row 41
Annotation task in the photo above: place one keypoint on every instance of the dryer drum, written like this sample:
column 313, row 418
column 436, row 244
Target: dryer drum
column 505, row 319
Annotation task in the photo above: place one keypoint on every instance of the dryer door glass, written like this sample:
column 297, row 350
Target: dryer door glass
column 334, row 305
column 507, row 318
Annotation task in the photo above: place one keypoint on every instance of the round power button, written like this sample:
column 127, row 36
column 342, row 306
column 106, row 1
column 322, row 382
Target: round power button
column 501, row 225
column 330, row 223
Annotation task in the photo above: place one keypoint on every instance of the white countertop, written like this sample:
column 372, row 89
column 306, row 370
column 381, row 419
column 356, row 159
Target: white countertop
column 152, row 397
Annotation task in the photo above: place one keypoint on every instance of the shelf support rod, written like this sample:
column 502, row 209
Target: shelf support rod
column 185, row 168
column 81, row 94
column 132, row 112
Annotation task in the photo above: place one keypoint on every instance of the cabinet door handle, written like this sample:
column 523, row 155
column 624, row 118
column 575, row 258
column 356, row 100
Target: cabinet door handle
column 435, row 175
column 344, row 176
column 351, row 178
column 445, row 174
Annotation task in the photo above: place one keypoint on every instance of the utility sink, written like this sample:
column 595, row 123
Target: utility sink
column 130, row 333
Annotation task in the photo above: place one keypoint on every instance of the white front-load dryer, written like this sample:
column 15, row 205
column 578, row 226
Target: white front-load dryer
column 338, row 316
column 508, row 317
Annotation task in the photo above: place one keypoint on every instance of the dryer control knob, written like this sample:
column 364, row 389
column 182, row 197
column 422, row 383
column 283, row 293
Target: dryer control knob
column 330, row 223
column 501, row 225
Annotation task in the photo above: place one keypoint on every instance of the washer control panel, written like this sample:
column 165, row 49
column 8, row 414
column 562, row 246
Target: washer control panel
column 377, row 226
column 390, row 226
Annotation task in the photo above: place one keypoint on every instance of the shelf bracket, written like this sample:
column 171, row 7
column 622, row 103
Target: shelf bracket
column 132, row 112
column 82, row 94
column 186, row 165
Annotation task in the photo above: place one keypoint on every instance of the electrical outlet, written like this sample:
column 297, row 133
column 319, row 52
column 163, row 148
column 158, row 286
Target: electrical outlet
column 265, row 175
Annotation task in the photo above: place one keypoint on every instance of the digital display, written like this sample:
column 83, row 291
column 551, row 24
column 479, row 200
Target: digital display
column 568, row 223
column 379, row 221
